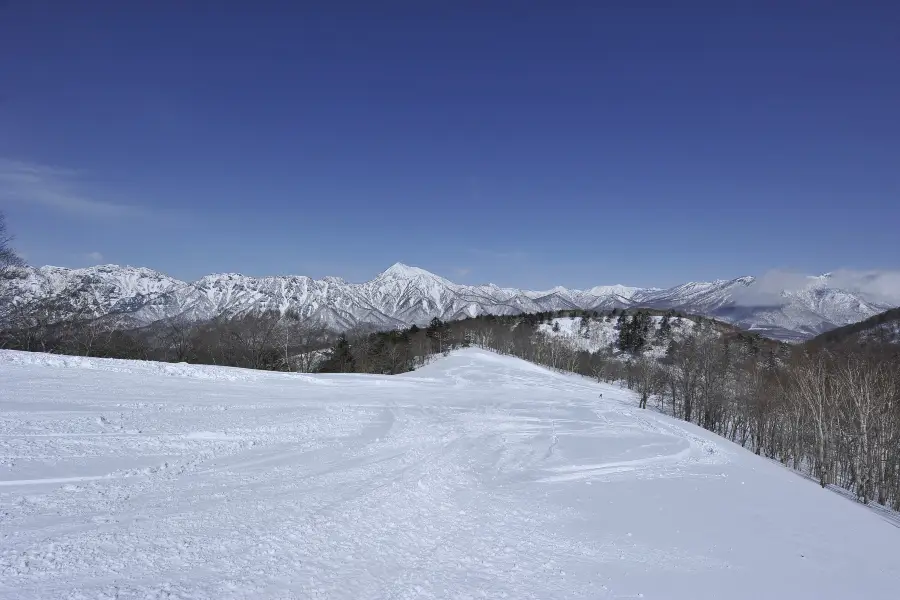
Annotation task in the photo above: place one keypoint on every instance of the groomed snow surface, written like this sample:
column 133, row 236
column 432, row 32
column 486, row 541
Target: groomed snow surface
column 479, row 476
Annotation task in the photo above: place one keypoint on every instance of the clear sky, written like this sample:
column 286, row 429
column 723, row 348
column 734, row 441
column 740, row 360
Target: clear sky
column 523, row 143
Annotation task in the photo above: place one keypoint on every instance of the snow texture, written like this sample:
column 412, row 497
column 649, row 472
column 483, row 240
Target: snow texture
column 404, row 295
column 479, row 476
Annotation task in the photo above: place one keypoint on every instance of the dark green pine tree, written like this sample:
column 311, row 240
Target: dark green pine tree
column 341, row 359
column 625, row 334
column 435, row 329
column 634, row 332
column 665, row 327
column 645, row 324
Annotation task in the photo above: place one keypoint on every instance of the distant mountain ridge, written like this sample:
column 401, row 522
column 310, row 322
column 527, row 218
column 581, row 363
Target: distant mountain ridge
column 403, row 295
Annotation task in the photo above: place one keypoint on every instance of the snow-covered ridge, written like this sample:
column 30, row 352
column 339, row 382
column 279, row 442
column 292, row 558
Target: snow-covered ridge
column 403, row 295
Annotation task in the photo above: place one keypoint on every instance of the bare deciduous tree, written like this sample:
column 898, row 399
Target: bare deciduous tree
column 8, row 256
column 646, row 372
column 813, row 385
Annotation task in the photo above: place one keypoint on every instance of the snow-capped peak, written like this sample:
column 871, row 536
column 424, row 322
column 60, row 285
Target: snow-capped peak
column 403, row 274
column 402, row 271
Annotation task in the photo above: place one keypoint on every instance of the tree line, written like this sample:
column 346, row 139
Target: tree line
column 267, row 340
column 832, row 412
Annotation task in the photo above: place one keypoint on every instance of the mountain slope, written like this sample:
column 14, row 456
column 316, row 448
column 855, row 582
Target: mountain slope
column 404, row 295
column 91, row 292
column 479, row 476
column 883, row 328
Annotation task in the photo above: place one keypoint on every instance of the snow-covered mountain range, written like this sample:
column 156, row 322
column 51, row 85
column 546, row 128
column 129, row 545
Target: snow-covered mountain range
column 403, row 295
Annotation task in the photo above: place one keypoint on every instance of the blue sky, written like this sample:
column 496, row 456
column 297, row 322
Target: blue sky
column 521, row 143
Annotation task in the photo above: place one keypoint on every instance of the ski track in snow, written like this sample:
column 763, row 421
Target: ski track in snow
column 479, row 476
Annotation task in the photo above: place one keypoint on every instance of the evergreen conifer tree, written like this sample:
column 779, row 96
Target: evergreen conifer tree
column 341, row 359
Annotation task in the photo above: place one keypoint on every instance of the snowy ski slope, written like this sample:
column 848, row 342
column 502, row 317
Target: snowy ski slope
column 479, row 476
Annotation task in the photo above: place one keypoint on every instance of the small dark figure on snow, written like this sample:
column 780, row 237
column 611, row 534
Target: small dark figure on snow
column 601, row 395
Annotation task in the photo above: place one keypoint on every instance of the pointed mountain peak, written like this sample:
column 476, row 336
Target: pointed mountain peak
column 404, row 271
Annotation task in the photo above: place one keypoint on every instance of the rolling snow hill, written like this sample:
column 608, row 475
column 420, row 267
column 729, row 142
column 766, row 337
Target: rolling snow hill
column 479, row 476
column 403, row 295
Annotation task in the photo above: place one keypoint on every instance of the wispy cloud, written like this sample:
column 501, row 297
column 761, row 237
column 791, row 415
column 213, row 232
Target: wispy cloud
column 767, row 289
column 56, row 188
column 878, row 286
column 94, row 256
column 462, row 271
column 881, row 287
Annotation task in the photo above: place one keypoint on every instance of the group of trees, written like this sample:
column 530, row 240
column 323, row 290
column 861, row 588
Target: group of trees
column 841, row 412
column 267, row 340
column 832, row 412
column 634, row 331
column 393, row 352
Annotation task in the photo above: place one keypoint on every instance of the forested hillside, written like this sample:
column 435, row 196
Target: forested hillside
column 882, row 328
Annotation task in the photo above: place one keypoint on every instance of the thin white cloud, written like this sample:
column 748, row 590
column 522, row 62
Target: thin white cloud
column 55, row 188
column 462, row 271
column 877, row 286
column 881, row 287
column 94, row 256
column 767, row 289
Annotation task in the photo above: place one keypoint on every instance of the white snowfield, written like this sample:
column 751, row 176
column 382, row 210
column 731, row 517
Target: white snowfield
column 479, row 476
